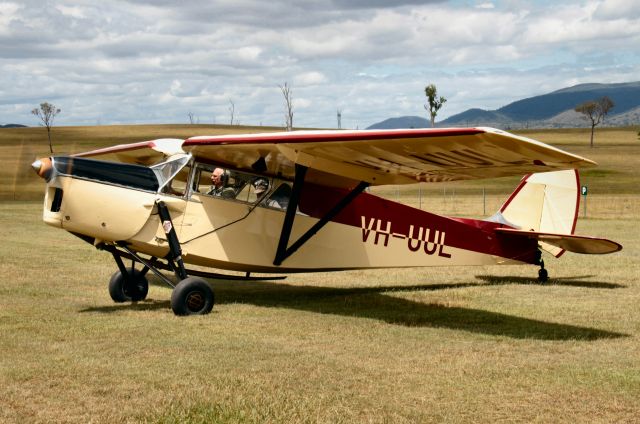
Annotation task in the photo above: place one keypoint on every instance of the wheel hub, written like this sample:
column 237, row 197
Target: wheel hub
column 195, row 301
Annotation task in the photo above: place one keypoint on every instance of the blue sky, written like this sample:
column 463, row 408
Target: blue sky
column 156, row 61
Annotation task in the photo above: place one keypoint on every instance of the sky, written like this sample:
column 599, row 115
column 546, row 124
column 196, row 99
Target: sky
column 108, row 62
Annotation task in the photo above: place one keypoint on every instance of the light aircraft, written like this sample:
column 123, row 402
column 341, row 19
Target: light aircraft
column 297, row 202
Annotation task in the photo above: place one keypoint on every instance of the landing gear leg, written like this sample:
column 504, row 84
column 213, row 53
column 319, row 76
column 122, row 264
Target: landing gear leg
column 192, row 295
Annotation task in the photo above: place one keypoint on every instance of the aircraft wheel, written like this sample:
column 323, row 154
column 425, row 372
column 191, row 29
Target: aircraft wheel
column 543, row 275
column 192, row 296
column 132, row 289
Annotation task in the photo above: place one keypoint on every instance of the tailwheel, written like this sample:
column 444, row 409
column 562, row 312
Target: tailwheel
column 543, row 275
column 192, row 296
column 131, row 287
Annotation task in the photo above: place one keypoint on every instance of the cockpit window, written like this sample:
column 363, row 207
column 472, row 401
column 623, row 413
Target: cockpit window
column 215, row 181
column 229, row 184
column 280, row 197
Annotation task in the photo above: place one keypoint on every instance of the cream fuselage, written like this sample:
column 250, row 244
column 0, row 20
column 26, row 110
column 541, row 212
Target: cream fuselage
column 221, row 233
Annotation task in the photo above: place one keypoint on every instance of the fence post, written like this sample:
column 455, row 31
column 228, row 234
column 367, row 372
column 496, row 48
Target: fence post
column 484, row 203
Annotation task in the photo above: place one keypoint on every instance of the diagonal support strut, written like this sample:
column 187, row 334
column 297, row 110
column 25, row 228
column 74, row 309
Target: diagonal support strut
column 283, row 251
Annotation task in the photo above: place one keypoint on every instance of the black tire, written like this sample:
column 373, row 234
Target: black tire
column 131, row 289
column 543, row 275
column 192, row 296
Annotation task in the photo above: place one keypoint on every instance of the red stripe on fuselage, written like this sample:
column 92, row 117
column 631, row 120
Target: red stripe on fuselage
column 396, row 219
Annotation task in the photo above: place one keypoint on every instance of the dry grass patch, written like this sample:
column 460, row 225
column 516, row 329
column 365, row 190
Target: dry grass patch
column 479, row 344
column 617, row 152
column 19, row 147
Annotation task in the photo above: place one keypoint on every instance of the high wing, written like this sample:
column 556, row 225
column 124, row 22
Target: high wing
column 383, row 157
column 142, row 153
column 570, row 242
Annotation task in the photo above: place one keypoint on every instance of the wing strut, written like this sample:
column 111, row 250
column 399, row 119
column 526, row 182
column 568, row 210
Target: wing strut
column 283, row 251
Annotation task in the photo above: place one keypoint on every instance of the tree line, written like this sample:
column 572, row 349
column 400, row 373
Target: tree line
column 593, row 111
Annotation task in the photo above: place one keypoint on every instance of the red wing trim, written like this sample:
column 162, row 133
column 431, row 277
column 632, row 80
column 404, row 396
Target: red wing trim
column 328, row 136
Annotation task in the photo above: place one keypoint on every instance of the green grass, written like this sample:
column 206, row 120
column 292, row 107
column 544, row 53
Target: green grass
column 479, row 344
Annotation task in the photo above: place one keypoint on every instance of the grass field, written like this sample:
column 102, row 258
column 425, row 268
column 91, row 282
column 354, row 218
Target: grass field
column 471, row 344
column 617, row 152
column 437, row 345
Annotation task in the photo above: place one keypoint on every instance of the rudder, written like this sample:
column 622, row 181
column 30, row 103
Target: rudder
column 545, row 202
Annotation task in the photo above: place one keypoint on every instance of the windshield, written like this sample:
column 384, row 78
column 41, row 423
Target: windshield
column 165, row 171
column 123, row 174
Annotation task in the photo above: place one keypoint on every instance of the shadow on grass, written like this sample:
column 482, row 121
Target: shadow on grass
column 144, row 305
column 561, row 281
column 379, row 303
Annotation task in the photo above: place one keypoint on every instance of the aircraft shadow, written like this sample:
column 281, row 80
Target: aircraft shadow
column 560, row 281
column 378, row 303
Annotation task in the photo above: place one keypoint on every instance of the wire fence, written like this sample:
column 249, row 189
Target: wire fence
column 483, row 203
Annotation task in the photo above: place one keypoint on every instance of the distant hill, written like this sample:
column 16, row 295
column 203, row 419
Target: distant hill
column 401, row 122
column 13, row 126
column 551, row 110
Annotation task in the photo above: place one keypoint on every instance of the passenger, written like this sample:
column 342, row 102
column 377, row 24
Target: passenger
column 280, row 197
column 260, row 186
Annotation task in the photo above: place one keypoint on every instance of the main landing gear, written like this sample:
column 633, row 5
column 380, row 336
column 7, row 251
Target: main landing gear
column 130, row 286
column 192, row 295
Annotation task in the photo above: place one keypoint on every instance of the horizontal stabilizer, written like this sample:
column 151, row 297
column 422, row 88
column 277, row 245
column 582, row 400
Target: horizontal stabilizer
column 572, row 243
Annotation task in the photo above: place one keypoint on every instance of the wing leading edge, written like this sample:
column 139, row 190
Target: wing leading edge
column 387, row 156
column 142, row 153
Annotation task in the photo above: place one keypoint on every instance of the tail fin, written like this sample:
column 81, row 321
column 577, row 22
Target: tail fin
column 546, row 202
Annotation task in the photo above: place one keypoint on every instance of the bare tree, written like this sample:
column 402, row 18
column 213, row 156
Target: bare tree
column 288, row 105
column 435, row 103
column 232, row 110
column 190, row 114
column 339, row 119
column 47, row 112
column 595, row 111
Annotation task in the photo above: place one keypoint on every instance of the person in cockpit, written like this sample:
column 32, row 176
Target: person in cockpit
column 219, row 187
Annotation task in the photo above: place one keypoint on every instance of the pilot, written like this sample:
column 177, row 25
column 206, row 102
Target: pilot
column 219, row 180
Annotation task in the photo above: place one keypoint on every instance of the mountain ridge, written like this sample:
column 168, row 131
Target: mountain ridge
column 550, row 110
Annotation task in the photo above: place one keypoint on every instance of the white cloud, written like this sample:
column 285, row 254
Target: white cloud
column 618, row 9
column 486, row 5
column 73, row 11
column 310, row 78
column 155, row 61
